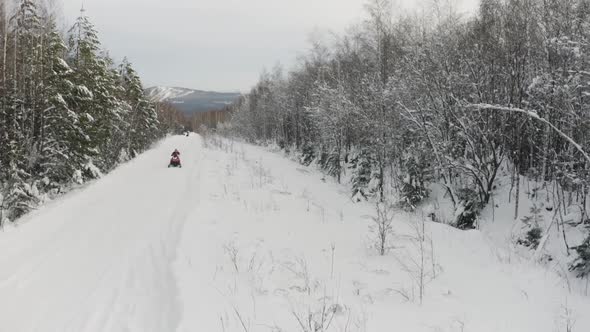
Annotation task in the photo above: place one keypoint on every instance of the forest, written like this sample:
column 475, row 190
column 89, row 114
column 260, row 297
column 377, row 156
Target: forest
column 68, row 112
column 402, row 102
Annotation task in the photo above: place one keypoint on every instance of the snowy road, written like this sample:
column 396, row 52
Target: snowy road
column 241, row 239
column 100, row 259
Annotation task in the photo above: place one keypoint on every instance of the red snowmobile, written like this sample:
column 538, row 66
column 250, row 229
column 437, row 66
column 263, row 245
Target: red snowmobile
column 175, row 160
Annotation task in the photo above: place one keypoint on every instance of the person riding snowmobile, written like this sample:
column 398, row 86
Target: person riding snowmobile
column 175, row 160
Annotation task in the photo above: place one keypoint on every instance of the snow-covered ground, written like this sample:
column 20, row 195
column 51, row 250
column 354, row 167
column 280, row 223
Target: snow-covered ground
column 242, row 239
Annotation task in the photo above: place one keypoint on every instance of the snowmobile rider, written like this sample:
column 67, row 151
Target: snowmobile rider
column 175, row 161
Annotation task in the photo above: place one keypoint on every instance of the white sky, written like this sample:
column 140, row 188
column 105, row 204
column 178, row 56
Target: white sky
column 218, row 45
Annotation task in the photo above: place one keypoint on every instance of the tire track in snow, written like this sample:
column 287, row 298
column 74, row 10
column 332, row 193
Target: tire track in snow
column 152, row 273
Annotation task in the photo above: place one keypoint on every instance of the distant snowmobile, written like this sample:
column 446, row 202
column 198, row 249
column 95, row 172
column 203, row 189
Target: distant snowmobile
column 175, row 160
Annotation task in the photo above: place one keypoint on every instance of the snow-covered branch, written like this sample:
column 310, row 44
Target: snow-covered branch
column 533, row 115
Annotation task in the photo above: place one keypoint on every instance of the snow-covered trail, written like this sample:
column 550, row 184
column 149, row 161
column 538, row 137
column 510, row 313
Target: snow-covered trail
column 100, row 259
column 243, row 239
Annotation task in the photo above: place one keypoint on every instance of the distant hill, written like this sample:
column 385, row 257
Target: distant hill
column 191, row 101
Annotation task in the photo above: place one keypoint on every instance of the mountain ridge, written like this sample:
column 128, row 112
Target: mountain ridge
column 191, row 101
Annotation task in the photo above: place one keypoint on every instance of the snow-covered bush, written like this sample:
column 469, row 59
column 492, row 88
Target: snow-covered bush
column 19, row 195
column 467, row 209
column 532, row 237
column 534, row 232
column 360, row 164
column 411, row 195
column 307, row 155
column 581, row 264
column 414, row 178
column 330, row 163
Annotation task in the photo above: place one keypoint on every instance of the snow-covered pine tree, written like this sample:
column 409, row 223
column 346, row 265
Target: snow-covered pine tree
column 142, row 118
column 61, row 144
column 581, row 264
column 20, row 121
column 20, row 194
column 100, row 113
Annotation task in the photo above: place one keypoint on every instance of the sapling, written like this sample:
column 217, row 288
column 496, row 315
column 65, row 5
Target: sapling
column 300, row 269
column 232, row 251
column 567, row 318
column 319, row 316
column 534, row 233
column 421, row 269
column 382, row 226
column 333, row 247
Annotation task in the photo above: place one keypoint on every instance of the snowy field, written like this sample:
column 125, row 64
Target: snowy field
column 242, row 239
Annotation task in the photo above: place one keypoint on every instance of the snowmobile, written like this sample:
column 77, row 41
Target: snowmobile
column 175, row 162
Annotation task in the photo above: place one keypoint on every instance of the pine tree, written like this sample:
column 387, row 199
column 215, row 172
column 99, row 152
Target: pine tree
column 21, row 122
column 581, row 264
column 20, row 119
column 143, row 119
column 20, row 194
column 100, row 113
column 62, row 138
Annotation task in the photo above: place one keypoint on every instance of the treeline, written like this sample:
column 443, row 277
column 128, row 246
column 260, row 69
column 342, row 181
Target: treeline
column 399, row 103
column 68, row 113
column 209, row 119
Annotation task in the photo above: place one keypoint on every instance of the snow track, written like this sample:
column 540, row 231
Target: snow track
column 100, row 259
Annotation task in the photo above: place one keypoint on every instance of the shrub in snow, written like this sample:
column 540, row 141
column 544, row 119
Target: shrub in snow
column 19, row 196
column 361, row 175
column 307, row 155
column 412, row 195
column 330, row 163
column 534, row 233
column 375, row 184
column 318, row 319
column 581, row 264
column 467, row 209
column 532, row 238
column 283, row 145
column 77, row 177
column 382, row 227
column 92, row 171
column 466, row 215
column 123, row 156
column 415, row 175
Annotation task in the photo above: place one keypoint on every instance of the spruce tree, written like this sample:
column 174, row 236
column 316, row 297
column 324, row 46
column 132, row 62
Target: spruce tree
column 61, row 147
column 95, row 99
column 143, row 119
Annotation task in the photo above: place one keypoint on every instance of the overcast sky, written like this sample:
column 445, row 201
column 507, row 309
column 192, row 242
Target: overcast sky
column 218, row 45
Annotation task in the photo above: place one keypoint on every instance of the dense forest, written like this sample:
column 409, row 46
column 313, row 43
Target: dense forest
column 68, row 112
column 399, row 103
